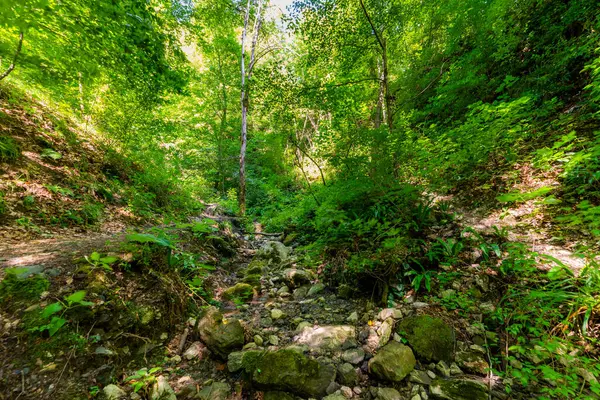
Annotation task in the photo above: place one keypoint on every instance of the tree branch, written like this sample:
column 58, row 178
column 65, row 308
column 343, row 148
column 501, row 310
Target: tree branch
column 11, row 67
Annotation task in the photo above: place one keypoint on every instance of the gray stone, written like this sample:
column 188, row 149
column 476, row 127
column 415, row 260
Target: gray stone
column 113, row 392
column 455, row 370
column 194, row 351
column 221, row 337
column 387, row 394
column 458, row 389
column 354, row 356
column 420, row 377
column 352, row 318
column 389, row 313
column 443, row 368
column 330, row 338
column 385, row 331
column 294, row 277
column 315, row 289
column 289, row 370
column 161, row 390
column 393, row 362
column 472, row 361
column 277, row 314
column 346, row 374
column 301, row 292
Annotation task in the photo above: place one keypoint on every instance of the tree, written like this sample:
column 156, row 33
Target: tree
column 246, row 74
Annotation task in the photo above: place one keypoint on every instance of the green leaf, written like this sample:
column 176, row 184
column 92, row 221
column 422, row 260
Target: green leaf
column 55, row 325
column 95, row 256
column 109, row 260
column 51, row 309
column 75, row 297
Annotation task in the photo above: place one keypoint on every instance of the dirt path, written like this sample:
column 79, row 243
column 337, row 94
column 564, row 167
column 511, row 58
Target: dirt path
column 54, row 253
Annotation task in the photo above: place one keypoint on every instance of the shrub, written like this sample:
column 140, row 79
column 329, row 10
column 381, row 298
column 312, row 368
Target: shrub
column 9, row 149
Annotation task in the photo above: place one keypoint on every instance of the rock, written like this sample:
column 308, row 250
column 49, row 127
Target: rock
column 472, row 361
column 245, row 360
column 315, row 289
column 333, row 387
column 455, row 370
column 303, row 325
column 353, row 356
column 104, row 351
column 215, row 391
column 346, row 375
column 429, row 337
column 393, row 362
column 274, row 340
column 385, row 331
column 487, row 308
column 113, row 392
column 277, row 314
column 161, row 390
column 294, row 277
column 483, row 281
column 346, row 392
column 345, row 291
column 389, row 313
column 221, row 336
column 458, row 389
column 241, row 291
column 283, row 289
column 301, row 292
column 291, row 371
column 275, row 252
column 335, row 396
column 420, row 377
column 419, row 304
column 258, row 340
column 443, row 369
column 387, row 394
column 352, row 318
column 329, row 338
column 194, row 351
column 278, row 396
column 249, row 346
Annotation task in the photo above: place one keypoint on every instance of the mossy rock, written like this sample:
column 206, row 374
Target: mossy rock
column 242, row 291
column 221, row 336
column 290, row 238
column 256, row 267
column 289, row 370
column 252, row 280
column 393, row 362
column 430, row 338
column 458, row 389
column 244, row 360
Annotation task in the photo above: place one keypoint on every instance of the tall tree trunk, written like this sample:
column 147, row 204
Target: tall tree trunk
column 246, row 75
column 244, row 103
column 11, row 67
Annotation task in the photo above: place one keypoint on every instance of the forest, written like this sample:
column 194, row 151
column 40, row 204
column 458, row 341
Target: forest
column 299, row 199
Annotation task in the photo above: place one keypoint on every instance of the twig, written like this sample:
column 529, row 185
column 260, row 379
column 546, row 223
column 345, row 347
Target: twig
column 182, row 340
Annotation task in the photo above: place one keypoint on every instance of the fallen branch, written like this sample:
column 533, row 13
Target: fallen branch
column 11, row 67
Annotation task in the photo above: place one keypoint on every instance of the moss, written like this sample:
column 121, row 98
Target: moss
column 290, row 370
column 252, row 280
column 429, row 337
column 16, row 292
column 256, row 267
column 242, row 291
column 459, row 389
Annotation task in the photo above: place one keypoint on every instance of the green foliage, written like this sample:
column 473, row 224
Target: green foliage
column 97, row 261
column 9, row 150
column 51, row 322
column 143, row 379
column 15, row 289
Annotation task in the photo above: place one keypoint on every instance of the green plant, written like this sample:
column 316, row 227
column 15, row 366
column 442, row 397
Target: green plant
column 51, row 154
column 97, row 261
column 143, row 379
column 93, row 391
column 9, row 149
column 53, row 322
column 421, row 276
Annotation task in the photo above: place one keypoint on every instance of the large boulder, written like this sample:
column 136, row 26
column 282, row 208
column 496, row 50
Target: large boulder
column 113, row 392
column 221, row 336
column 275, row 252
column 393, row 362
column 278, row 396
column 430, row 338
column 294, row 277
column 326, row 338
column 458, row 389
column 289, row 370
